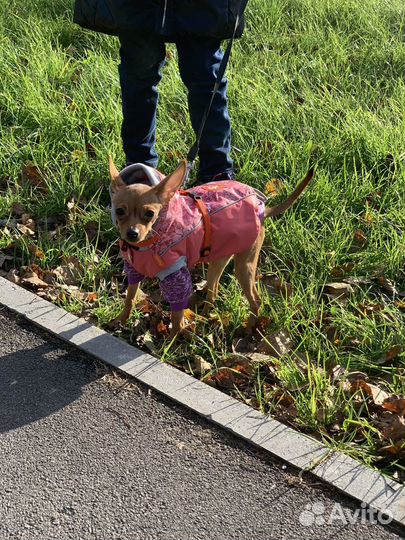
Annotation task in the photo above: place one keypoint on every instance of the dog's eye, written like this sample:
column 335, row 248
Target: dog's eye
column 149, row 214
column 120, row 212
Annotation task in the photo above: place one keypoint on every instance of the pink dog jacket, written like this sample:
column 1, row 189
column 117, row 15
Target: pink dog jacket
column 236, row 215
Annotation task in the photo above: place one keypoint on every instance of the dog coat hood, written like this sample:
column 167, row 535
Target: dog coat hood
column 138, row 173
column 236, row 214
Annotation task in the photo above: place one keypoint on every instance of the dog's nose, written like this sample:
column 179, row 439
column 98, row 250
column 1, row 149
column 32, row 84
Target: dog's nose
column 132, row 234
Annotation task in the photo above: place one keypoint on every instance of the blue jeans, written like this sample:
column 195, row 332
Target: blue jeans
column 142, row 60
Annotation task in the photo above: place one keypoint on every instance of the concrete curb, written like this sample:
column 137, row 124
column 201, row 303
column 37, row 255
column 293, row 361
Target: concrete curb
column 299, row 450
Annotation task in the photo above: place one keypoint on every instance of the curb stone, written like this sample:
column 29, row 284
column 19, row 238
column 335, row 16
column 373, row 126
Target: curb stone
column 297, row 449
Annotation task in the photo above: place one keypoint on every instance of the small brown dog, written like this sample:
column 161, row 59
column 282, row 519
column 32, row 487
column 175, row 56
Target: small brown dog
column 165, row 231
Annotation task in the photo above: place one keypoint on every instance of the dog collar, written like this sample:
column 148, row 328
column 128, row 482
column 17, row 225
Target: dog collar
column 124, row 245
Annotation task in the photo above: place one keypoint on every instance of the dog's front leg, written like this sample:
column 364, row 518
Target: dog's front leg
column 130, row 299
column 178, row 323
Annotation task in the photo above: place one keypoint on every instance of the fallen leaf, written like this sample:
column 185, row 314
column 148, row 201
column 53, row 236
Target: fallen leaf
column 38, row 253
column 189, row 314
column 275, row 285
column 391, row 426
column 337, row 372
column 26, row 231
column 359, row 238
column 261, row 325
column 31, row 175
column 31, row 280
column 243, row 345
column 389, row 356
column 147, row 341
column 91, row 297
column 377, row 394
column 393, row 449
column 342, row 270
column 14, row 276
column 400, row 304
column 70, row 271
column 92, row 230
column 274, row 187
column 387, row 285
column 395, row 404
column 276, row 344
column 338, row 289
column 18, row 209
column 162, row 329
column 200, row 366
column 370, row 309
column 228, row 377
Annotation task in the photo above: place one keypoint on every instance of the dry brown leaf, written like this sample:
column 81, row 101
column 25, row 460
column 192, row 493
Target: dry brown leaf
column 359, row 238
column 31, row 175
column 91, row 297
column 200, row 366
column 228, row 377
column 14, row 276
column 395, row 404
column 387, row 285
column 338, row 289
column 369, row 310
column 144, row 305
column 261, row 325
column 26, row 231
column 276, row 286
column 342, row 270
column 274, row 187
column 70, row 271
column 338, row 372
column 393, row 449
column 189, row 314
column 400, row 304
column 38, row 253
column 30, row 279
column 389, row 355
column 243, row 345
column 162, row 329
column 17, row 209
column 377, row 394
column 287, row 408
column 92, row 230
column 276, row 344
column 391, row 426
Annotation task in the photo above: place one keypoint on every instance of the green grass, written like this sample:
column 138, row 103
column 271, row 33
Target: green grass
column 311, row 83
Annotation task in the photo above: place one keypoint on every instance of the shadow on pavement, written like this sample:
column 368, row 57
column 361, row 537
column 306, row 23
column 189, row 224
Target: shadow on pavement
column 36, row 381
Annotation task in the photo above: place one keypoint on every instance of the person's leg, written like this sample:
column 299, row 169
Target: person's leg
column 199, row 60
column 142, row 58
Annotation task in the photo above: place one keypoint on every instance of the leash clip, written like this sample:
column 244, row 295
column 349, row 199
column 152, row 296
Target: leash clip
column 190, row 167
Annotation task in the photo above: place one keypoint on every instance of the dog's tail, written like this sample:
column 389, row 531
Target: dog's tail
column 290, row 200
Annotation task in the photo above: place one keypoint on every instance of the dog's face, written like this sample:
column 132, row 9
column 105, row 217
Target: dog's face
column 138, row 206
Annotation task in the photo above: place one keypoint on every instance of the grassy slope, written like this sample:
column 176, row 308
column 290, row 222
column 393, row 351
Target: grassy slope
column 311, row 82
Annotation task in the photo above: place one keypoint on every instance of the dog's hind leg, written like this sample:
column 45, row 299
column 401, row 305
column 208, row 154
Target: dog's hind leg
column 215, row 271
column 245, row 270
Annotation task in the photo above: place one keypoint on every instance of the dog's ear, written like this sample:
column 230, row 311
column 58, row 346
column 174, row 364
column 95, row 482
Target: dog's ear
column 116, row 180
column 169, row 185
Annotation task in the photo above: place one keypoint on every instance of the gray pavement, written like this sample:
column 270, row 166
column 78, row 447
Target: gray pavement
column 82, row 460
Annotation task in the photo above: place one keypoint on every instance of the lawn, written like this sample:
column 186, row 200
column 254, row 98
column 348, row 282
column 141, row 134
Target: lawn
column 311, row 83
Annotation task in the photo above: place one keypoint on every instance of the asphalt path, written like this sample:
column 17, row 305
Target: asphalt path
column 82, row 457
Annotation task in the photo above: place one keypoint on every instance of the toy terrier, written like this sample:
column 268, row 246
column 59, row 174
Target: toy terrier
column 165, row 231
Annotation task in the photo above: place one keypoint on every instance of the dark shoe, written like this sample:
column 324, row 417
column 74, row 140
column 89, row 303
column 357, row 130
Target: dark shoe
column 229, row 175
